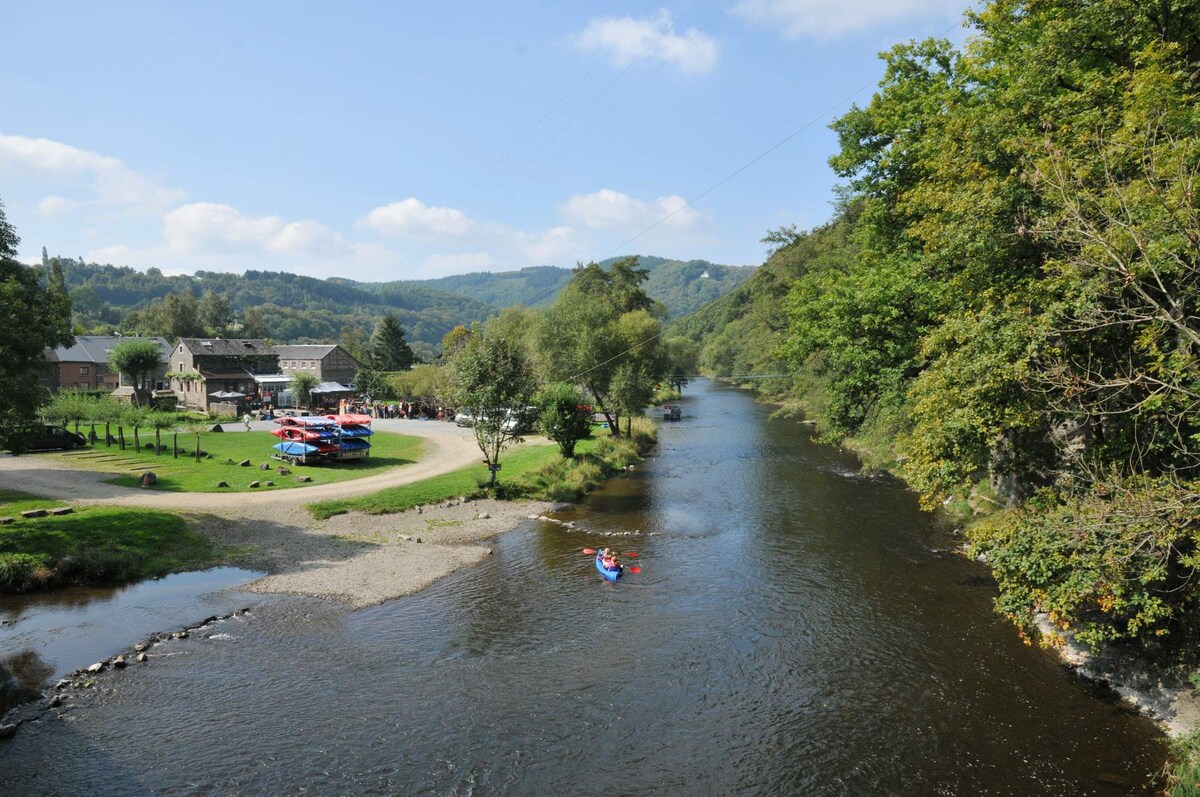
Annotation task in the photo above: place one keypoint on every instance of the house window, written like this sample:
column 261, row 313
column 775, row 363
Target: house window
column 84, row 370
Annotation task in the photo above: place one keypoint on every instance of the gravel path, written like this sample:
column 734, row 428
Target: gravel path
column 355, row 558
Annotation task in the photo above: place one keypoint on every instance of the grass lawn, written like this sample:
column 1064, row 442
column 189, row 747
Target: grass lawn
column 14, row 502
column 93, row 545
column 185, row 474
column 515, row 464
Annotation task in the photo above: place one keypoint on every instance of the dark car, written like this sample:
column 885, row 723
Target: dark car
column 49, row 438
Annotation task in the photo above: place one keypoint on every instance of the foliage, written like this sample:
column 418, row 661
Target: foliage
column 420, row 382
column 564, row 417
column 37, row 316
column 492, row 379
column 137, row 360
column 1115, row 561
column 605, row 333
column 1185, row 776
column 373, row 383
column 302, row 385
column 389, row 350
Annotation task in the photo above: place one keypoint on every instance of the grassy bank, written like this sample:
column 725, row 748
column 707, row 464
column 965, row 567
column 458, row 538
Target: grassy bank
column 185, row 474
column 93, row 545
column 535, row 472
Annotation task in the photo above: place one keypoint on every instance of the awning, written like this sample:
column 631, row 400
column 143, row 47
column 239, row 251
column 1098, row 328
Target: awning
column 227, row 394
column 332, row 387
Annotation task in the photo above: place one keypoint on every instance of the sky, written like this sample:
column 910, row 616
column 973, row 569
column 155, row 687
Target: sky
column 387, row 141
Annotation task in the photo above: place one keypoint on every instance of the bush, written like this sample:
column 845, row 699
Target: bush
column 1185, row 777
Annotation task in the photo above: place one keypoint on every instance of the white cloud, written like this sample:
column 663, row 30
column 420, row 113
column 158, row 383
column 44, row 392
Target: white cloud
column 821, row 19
column 206, row 227
column 625, row 39
column 608, row 209
column 413, row 218
column 110, row 183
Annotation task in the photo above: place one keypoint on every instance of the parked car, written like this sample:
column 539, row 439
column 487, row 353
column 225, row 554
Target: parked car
column 464, row 418
column 51, row 438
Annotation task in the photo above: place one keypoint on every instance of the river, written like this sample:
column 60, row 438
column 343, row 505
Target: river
column 797, row 628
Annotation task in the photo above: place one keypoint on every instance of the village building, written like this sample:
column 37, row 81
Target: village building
column 327, row 361
column 84, row 366
column 218, row 375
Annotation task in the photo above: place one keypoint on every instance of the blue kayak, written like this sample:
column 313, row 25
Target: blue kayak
column 611, row 575
column 353, row 444
column 294, row 448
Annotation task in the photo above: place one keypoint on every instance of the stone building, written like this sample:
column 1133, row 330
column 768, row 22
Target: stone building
column 84, row 366
column 208, row 371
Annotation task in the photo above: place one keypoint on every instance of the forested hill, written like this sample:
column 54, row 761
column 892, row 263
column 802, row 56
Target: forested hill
column 292, row 308
column 681, row 286
column 1006, row 307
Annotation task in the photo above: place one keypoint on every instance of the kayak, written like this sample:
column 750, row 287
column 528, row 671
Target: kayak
column 312, row 421
column 356, row 430
column 350, row 418
column 304, row 433
column 295, row 449
column 353, row 444
column 611, row 575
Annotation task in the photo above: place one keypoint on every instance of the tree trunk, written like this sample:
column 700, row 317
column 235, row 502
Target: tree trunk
column 137, row 441
column 107, row 435
column 612, row 425
column 197, row 448
column 174, row 445
column 121, row 437
column 157, row 442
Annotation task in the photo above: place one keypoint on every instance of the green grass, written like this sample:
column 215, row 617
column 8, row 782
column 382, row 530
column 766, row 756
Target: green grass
column 464, row 481
column 1185, row 775
column 185, row 474
column 14, row 502
column 96, row 545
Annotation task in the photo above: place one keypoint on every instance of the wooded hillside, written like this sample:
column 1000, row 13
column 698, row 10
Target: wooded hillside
column 1005, row 308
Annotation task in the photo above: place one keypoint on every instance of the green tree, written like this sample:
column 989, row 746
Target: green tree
column 369, row 382
column 37, row 317
column 254, row 324
column 389, row 350
column 602, row 320
column 683, row 360
column 136, row 360
column 564, row 417
column 302, row 385
column 492, row 379
column 214, row 312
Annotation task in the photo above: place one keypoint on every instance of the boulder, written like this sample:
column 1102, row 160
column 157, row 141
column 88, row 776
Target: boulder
column 179, row 635
column 97, row 667
column 304, row 478
column 264, row 466
column 268, row 484
column 282, row 471
column 245, row 463
column 4, row 521
column 418, row 539
column 253, row 484
column 6, row 731
column 142, row 658
column 217, row 428
column 149, row 479
column 62, row 510
column 139, row 647
column 54, row 702
column 32, row 513
column 119, row 662
column 222, row 484
column 484, row 516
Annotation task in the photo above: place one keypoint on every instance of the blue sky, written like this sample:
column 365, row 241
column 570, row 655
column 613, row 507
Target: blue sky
column 383, row 141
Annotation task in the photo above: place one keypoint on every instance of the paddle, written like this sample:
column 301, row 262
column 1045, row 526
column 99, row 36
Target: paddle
column 630, row 554
column 633, row 569
column 589, row 550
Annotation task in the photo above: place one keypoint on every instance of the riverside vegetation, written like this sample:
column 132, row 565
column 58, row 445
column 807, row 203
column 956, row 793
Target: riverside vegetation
column 1004, row 308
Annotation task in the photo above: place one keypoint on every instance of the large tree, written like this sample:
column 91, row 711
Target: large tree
column 494, row 381
column 601, row 322
column 37, row 317
column 389, row 350
column 137, row 360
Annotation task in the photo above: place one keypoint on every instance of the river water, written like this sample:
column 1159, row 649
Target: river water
column 793, row 631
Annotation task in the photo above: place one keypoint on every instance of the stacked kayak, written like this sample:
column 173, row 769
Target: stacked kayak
column 309, row 439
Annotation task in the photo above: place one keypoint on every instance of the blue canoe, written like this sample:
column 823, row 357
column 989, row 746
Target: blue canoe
column 353, row 444
column 293, row 448
column 611, row 575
